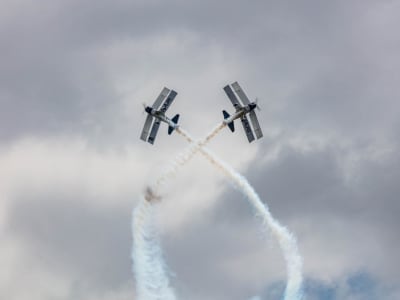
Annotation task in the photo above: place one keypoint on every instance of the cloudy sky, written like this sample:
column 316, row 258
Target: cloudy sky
column 73, row 77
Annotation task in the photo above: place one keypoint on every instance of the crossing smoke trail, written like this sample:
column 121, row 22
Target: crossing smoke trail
column 186, row 155
column 149, row 267
column 155, row 266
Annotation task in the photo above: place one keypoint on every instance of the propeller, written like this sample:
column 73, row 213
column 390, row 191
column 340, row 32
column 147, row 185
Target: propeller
column 144, row 107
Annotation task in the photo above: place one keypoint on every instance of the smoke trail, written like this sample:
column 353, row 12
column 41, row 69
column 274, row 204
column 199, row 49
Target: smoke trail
column 186, row 155
column 151, row 279
column 149, row 267
column 286, row 240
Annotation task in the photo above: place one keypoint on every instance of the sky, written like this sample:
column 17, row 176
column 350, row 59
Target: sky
column 73, row 78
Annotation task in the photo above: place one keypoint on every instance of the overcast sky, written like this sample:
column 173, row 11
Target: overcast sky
column 73, row 77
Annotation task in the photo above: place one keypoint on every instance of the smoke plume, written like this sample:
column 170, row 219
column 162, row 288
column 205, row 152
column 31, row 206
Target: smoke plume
column 150, row 271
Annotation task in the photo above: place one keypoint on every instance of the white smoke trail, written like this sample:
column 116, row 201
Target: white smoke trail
column 149, row 266
column 286, row 240
column 181, row 159
column 152, row 282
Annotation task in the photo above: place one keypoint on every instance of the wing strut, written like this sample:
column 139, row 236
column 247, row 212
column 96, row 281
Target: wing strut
column 232, row 96
column 154, row 131
column 167, row 103
column 160, row 98
column 240, row 93
column 247, row 128
column 146, row 127
column 256, row 125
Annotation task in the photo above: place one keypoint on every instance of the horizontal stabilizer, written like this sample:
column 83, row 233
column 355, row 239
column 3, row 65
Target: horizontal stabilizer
column 226, row 115
column 175, row 120
column 230, row 125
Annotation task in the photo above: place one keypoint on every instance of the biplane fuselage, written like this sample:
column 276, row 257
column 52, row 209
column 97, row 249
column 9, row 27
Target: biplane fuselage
column 240, row 112
column 161, row 116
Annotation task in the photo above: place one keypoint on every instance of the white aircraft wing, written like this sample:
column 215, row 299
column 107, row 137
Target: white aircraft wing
column 240, row 93
column 247, row 128
column 167, row 103
column 232, row 96
column 160, row 98
column 154, row 131
column 256, row 125
column 146, row 128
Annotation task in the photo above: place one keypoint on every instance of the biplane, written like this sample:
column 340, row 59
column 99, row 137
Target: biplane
column 156, row 115
column 243, row 107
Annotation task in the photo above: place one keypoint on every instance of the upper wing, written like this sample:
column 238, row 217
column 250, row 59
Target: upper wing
column 247, row 128
column 154, row 131
column 168, row 101
column 240, row 93
column 160, row 98
column 256, row 125
column 146, row 127
column 231, row 96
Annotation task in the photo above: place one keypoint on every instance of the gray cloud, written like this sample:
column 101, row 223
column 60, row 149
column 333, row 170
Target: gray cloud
column 54, row 78
column 88, row 246
column 325, row 74
column 346, row 222
column 359, row 285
